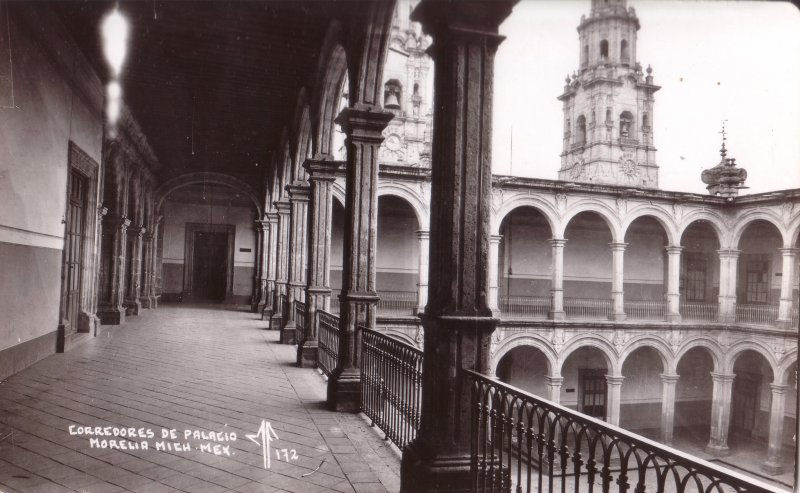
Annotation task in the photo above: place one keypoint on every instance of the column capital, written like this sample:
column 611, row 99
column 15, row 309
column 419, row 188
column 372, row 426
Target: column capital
column 102, row 211
column 670, row 378
column 298, row 192
column 363, row 125
column 558, row 242
column 271, row 217
column 673, row 249
column 614, row 379
column 423, row 234
column 262, row 224
column 283, row 206
column 789, row 251
column 553, row 380
column 322, row 169
column 779, row 388
column 495, row 238
column 729, row 253
column 617, row 246
column 466, row 18
column 722, row 377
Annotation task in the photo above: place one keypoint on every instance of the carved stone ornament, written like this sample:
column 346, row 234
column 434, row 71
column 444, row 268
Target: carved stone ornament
column 561, row 203
column 497, row 199
column 558, row 339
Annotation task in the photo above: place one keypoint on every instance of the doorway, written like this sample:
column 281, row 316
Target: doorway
column 73, row 249
column 745, row 402
column 210, row 265
column 593, row 392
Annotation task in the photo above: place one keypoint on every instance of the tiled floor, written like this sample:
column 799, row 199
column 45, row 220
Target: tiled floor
column 184, row 368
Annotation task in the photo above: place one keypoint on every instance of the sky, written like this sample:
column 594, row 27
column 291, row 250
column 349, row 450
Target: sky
column 714, row 61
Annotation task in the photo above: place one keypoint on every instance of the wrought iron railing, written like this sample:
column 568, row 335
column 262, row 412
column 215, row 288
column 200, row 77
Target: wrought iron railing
column 757, row 314
column 391, row 385
column 523, row 442
column 645, row 310
column 587, row 308
column 525, row 306
column 299, row 320
column 328, row 341
column 397, row 302
column 700, row 312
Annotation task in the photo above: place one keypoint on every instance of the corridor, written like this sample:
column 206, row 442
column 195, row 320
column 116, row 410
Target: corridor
column 205, row 373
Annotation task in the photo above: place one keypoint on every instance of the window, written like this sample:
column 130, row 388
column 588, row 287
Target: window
column 645, row 121
column 625, row 127
column 585, row 57
column 580, row 130
column 756, row 279
column 593, row 392
column 603, row 49
column 696, row 275
column 623, row 51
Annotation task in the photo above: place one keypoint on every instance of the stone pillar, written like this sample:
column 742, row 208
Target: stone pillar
column 673, row 283
column 321, row 175
column 720, row 414
column 358, row 299
column 458, row 320
column 147, row 261
column 422, row 284
column 272, row 264
column 557, row 289
column 260, row 284
column 787, row 288
column 132, row 303
column 773, row 465
column 728, row 263
column 92, row 321
column 614, row 393
column 494, row 267
column 617, row 281
column 668, row 384
column 554, row 387
column 282, row 263
column 298, row 250
column 154, row 294
column 112, row 272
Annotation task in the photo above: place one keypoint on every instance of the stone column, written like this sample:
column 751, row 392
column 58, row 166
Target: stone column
column 494, row 267
column 787, row 288
column 458, row 322
column 422, row 284
column 358, row 299
column 728, row 263
column 298, row 250
column 282, row 263
column 617, row 281
column 668, row 384
column 557, row 289
column 321, row 175
column 614, row 393
column 92, row 320
column 673, row 283
column 112, row 270
column 153, row 295
column 773, row 465
column 132, row 303
column 260, row 285
column 147, row 261
column 554, row 387
column 720, row 414
column 272, row 264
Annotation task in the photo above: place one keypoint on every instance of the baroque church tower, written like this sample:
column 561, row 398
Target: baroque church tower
column 608, row 104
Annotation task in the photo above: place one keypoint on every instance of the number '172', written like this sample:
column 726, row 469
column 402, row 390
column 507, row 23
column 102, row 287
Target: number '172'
column 286, row 454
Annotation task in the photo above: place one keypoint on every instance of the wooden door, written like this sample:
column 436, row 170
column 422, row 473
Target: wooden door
column 209, row 276
column 593, row 392
column 745, row 403
column 73, row 248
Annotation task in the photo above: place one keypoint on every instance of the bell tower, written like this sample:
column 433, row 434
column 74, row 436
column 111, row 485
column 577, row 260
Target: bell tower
column 608, row 104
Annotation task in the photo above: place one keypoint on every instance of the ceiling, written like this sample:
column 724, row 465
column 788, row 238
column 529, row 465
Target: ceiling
column 212, row 83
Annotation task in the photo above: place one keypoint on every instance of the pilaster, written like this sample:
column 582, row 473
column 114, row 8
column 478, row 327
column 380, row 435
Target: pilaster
column 272, row 264
column 613, row 400
column 422, row 283
column 259, row 278
column 554, row 387
column 494, row 273
column 786, row 303
column 282, row 263
column 728, row 263
column 112, row 272
column 132, row 303
column 298, row 221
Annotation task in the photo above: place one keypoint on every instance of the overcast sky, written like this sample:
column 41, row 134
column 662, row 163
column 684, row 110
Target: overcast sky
column 714, row 61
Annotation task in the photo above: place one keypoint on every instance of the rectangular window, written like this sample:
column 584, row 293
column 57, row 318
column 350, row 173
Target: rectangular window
column 592, row 400
column 696, row 270
column 756, row 278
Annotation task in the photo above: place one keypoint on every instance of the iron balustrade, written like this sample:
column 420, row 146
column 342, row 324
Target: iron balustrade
column 523, row 442
column 328, row 341
column 525, row 306
column 299, row 320
column 391, row 385
column 645, row 310
column 587, row 308
column 699, row 312
column 397, row 302
column 757, row 314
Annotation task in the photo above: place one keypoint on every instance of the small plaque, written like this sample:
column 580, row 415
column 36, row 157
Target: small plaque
column 245, row 250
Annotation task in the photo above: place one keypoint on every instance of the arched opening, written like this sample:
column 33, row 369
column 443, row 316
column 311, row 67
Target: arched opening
column 580, row 130
column 626, row 130
column 585, row 56
column 209, row 244
column 339, row 148
column 693, row 397
column 624, row 54
column 397, row 257
column 587, row 267
column 584, row 387
column 604, row 50
column 337, row 252
column 641, row 394
column 699, row 277
column 758, row 288
column 525, row 367
column 750, row 402
column 645, row 272
column 392, row 95
column 525, row 264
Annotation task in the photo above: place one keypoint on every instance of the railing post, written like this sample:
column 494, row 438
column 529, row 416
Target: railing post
column 614, row 385
column 557, row 289
column 668, row 384
column 673, row 283
column 787, row 288
column 282, row 262
column 422, row 284
column 617, row 281
column 720, row 414
column 321, row 175
column 364, row 129
column 458, row 321
column 728, row 263
column 773, row 463
column 298, row 199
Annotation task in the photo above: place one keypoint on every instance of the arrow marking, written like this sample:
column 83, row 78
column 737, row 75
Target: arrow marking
column 266, row 432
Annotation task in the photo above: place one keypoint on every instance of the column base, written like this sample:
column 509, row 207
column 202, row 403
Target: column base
column 133, row 307
column 772, row 467
column 266, row 313
column 275, row 321
column 618, row 317
column 784, row 324
column 674, row 317
column 557, row 315
column 88, row 322
column 718, row 450
column 307, row 352
column 146, row 303
column 423, row 472
column 344, row 391
column 111, row 316
column 288, row 333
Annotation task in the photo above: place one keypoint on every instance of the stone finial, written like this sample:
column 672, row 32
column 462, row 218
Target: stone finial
column 724, row 179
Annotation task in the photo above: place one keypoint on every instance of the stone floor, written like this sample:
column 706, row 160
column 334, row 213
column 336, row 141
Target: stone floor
column 199, row 369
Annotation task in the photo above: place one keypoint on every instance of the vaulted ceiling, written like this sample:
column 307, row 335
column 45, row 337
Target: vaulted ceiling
column 212, row 83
